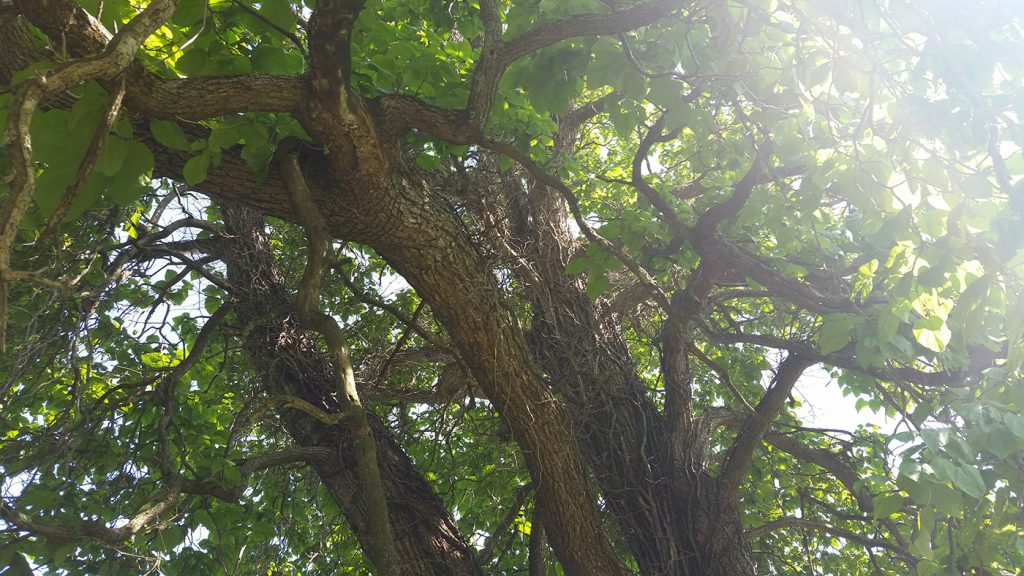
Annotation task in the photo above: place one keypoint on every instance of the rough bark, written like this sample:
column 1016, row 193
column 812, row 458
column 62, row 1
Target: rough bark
column 667, row 514
column 288, row 362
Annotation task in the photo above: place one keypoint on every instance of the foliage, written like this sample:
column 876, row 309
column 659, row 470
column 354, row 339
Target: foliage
column 759, row 182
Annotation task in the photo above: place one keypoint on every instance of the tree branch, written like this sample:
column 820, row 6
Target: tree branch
column 804, row 523
column 149, row 95
column 555, row 183
column 269, row 22
column 723, row 377
column 462, row 126
column 393, row 310
column 115, row 58
column 741, row 452
column 981, row 359
column 92, row 155
column 92, row 530
column 487, row 552
column 380, row 544
column 829, row 461
column 730, row 207
column 330, row 44
column 252, row 464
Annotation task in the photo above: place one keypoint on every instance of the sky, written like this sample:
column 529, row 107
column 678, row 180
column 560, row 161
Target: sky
column 823, row 405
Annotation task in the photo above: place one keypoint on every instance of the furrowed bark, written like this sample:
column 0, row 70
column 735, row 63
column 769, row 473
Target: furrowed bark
column 666, row 511
column 435, row 255
column 426, row 540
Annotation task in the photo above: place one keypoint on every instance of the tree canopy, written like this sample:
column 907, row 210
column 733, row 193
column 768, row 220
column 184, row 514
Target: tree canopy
column 300, row 287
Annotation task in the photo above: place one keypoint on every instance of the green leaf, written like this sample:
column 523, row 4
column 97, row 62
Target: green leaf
column 280, row 13
column 170, row 538
column 276, row 60
column 428, row 161
column 19, row 566
column 189, row 12
column 112, row 156
column 835, row 333
column 597, row 284
column 932, row 333
column 888, row 325
column 52, row 185
column 926, row 567
column 170, row 135
column 887, row 504
column 970, row 481
column 1001, row 442
column 131, row 181
column 195, row 169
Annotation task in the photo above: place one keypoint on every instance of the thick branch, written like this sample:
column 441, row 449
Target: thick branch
column 807, row 296
column 581, row 25
column 741, row 453
column 330, row 44
column 553, row 182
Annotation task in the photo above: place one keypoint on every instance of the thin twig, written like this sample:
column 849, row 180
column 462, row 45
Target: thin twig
column 85, row 168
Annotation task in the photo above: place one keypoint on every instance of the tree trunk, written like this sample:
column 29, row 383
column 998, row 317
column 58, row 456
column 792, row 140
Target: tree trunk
column 671, row 524
column 288, row 363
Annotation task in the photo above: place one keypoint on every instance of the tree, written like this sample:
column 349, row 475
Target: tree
column 307, row 287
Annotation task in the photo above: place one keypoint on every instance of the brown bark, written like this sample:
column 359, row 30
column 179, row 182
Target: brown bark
column 668, row 513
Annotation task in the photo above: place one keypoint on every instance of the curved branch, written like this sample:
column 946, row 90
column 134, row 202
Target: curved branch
column 714, row 247
column 92, row 530
column 462, row 126
column 148, row 95
column 116, row 56
column 840, row 469
column 610, row 24
column 981, row 359
column 569, row 124
column 92, row 155
column 380, row 544
column 653, row 136
column 730, row 207
column 825, row 527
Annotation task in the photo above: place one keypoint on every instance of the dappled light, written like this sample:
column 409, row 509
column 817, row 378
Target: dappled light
column 584, row 287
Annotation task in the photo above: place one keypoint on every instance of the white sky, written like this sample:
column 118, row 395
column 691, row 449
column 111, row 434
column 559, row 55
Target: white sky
column 823, row 404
